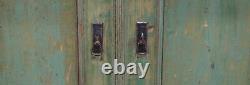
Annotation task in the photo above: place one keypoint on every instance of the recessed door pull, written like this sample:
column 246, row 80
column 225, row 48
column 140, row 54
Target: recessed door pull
column 97, row 39
column 141, row 38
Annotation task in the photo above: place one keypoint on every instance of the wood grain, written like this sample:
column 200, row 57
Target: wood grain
column 38, row 42
column 131, row 11
column 206, row 42
column 90, row 11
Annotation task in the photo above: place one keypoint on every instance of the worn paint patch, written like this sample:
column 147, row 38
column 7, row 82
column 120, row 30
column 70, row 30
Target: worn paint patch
column 33, row 44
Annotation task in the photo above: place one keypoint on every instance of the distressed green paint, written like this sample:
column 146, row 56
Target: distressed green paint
column 206, row 42
column 130, row 12
column 229, row 41
column 90, row 11
column 37, row 42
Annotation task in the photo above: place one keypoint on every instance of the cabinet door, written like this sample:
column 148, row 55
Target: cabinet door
column 38, row 42
column 90, row 12
column 206, row 42
column 130, row 12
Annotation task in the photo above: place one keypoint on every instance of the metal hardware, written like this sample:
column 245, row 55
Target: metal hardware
column 141, row 38
column 97, row 39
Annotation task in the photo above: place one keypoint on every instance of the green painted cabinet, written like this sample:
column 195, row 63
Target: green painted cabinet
column 189, row 42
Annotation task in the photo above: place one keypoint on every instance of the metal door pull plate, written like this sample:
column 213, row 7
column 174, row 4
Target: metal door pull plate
column 141, row 38
column 97, row 39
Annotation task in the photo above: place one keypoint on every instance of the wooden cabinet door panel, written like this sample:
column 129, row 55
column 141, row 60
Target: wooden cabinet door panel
column 206, row 42
column 89, row 12
column 130, row 12
column 38, row 42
